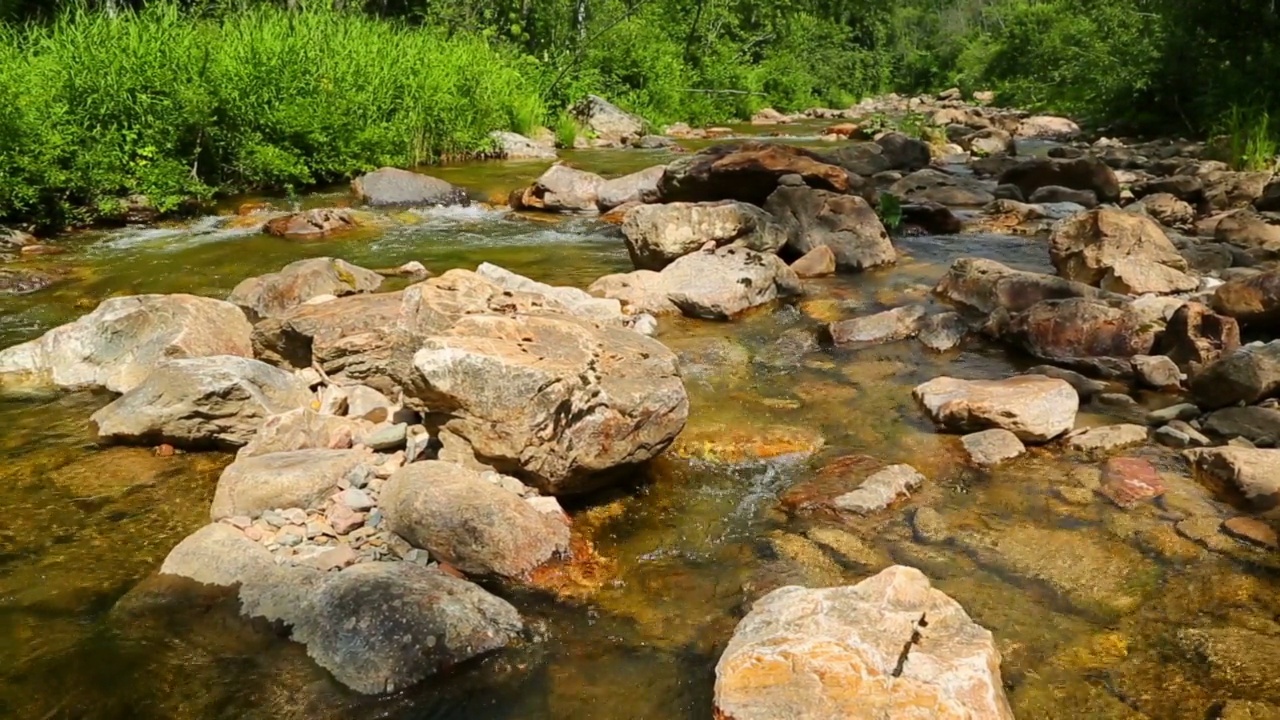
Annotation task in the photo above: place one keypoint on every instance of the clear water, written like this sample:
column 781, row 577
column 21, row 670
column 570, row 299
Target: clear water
column 1086, row 601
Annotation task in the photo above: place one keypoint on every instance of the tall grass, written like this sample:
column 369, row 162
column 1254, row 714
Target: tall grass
column 1249, row 141
column 94, row 108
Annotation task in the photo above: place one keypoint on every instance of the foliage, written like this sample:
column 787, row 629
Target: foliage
column 566, row 130
column 890, row 210
column 1248, row 140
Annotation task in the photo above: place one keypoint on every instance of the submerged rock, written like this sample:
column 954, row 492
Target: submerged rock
column 217, row 401
column 989, row 448
column 312, row 224
column 890, row 646
column 469, row 522
column 393, row 186
column 888, row 326
column 658, row 235
column 846, row 224
column 1127, row 481
column 1033, row 407
column 272, row 294
column 557, row 401
column 943, row 331
column 116, row 346
column 23, row 282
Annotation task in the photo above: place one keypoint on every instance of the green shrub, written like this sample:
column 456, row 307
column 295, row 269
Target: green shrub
column 566, row 131
column 1248, row 140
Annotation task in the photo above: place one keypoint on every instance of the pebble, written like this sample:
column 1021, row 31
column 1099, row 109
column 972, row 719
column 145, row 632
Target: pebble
column 355, row 499
column 929, row 527
column 295, row 516
column 291, row 535
column 1127, row 481
column 1252, row 531
column 317, row 528
column 274, row 519
column 1170, row 436
column 374, row 519
column 239, row 522
column 343, row 519
column 255, row 533
column 390, row 437
column 356, row 477
column 416, row 556
column 992, row 447
column 334, row 558
column 417, row 440
column 1074, row 495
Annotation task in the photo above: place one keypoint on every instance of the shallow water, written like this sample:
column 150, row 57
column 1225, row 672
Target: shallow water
column 1089, row 603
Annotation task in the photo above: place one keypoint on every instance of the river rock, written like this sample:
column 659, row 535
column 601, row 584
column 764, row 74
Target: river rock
column 989, row 448
column 880, row 490
column 1059, row 194
column 312, row 224
column 931, row 217
column 514, row 146
column 982, row 286
column 1195, row 337
column 989, row 141
column 1047, row 127
column 1127, row 481
column 1157, row 372
column 639, row 187
column 845, row 223
column 298, row 479
column 116, row 346
column 217, row 401
column 1119, row 251
column 392, row 186
column 271, row 294
column 943, row 331
column 750, row 172
column 560, row 189
column 858, row 653
column 1033, row 407
column 818, row 262
column 23, row 282
column 559, row 402
column 606, row 120
column 1253, row 531
column 1253, row 300
column 888, row 326
column 1226, row 189
column 571, row 300
column 1248, row 375
column 904, row 152
column 1084, row 333
column 304, row 429
column 860, row 158
column 1250, row 232
column 470, row 523
column 642, row 291
column 383, row 627
column 658, row 235
column 1254, row 473
column 931, row 185
column 720, row 284
column 1084, row 173
column 1166, row 210
column 1107, row 437
column 1258, row 425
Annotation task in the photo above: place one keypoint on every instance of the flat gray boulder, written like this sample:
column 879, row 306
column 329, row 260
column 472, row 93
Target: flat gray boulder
column 1035, row 408
column 395, row 187
column 658, row 235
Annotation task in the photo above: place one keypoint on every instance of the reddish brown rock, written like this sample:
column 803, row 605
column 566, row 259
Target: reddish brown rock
column 312, row 224
column 1121, row 251
column 1196, row 337
column 1127, row 481
column 818, row 262
column 748, row 172
column 1252, row 300
column 985, row 286
column 1252, row 531
column 1082, row 329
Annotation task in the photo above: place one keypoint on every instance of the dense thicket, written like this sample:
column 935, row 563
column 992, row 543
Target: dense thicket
column 174, row 99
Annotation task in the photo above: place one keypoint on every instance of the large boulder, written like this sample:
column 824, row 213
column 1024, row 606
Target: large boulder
column 217, row 401
column 983, row 286
column 904, row 152
column 393, row 186
column 1033, row 407
column 1118, row 251
column 1082, row 173
column 1253, row 473
column 573, row 301
column 891, row 646
column 642, row 291
column 639, row 187
column 1253, row 300
column 1086, row 333
column 720, row 284
column 1227, row 189
column 299, row 479
column 305, row 429
column 1195, row 337
column 862, row 158
column 606, row 120
column 514, row 146
column 658, row 235
column 383, row 627
column 557, row 401
column 1047, row 127
column 931, row 185
column 471, row 523
column 117, row 345
column 750, row 172
column 561, row 189
column 847, row 224
column 1248, row 375
column 272, row 294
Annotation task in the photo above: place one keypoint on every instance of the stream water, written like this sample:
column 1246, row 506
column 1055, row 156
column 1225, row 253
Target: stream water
column 1099, row 612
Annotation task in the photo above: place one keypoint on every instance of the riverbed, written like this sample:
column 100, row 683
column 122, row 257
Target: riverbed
column 1099, row 612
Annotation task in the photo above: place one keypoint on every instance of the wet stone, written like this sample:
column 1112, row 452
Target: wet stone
column 1252, row 531
column 992, row 447
column 943, row 331
column 1181, row 411
column 1127, row 481
column 1109, row 437
column 355, row 499
column 1074, row 495
column 929, row 527
column 880, row 490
